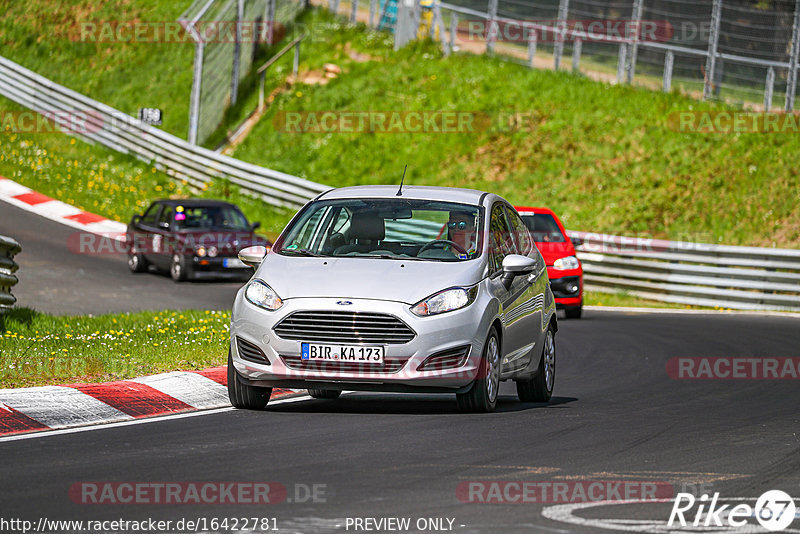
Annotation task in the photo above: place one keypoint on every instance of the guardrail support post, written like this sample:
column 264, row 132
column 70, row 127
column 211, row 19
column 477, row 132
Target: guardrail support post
column 768, row 88
column 533, row 36
column 491, row 34
column 669, row 62
column 561, row 33
column 296, row 60
column 372, row 9
column 353, row 11
column 713, row 43
column 791, row 81
column 636, row 24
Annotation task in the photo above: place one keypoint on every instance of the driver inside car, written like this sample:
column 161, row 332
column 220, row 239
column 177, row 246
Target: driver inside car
column 461, row 231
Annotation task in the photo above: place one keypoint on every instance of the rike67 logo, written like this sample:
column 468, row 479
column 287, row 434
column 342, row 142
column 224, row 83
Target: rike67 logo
column 774, row 510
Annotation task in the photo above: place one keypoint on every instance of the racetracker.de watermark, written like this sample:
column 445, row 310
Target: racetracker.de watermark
column 205, row 31
column 552, row 30
column 402, row 121
column 560, row 492
column 733, row 368
column 733, row 122
column 50, row 121
column 171, row 493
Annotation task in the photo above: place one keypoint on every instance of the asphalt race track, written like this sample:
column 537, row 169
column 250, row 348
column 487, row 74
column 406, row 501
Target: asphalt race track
column 616, row 416
column 56, row 280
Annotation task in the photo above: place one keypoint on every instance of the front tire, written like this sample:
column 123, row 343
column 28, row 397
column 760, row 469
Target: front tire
column 179, row 270
column 245, row 396
column 324, row 393
column 482, row 397
column 540, row 387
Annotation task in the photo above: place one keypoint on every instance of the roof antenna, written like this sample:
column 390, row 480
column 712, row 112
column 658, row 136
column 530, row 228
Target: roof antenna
column 400, row 191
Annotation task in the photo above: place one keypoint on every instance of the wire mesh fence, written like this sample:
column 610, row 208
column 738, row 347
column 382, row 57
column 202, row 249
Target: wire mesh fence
column 227, row 34
column 743, row 51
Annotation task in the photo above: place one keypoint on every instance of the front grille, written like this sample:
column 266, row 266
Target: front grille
column 344, row 327
column 390, row 365
column 250, row 351
column 447, row 359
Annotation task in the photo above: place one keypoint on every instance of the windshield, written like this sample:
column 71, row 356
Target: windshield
column 543, row 227
column 209, row 218
column 385, row 228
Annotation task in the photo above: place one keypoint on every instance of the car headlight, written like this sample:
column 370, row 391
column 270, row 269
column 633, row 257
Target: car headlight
column 563, row 264
column 445, row 301
column 212, row 252
column 263, row 296
column 200, row 251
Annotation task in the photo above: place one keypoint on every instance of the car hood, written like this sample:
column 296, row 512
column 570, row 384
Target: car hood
column 366, row 278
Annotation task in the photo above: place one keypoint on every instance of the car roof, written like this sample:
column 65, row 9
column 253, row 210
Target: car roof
column 420, row 192
column 527, row 209
column 193, row 202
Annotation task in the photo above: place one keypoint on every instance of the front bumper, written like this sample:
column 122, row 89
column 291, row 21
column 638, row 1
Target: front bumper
column 217, row 266
column 561, row 283
column 461, row 328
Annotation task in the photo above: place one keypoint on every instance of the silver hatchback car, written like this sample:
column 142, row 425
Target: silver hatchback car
column 422, row 289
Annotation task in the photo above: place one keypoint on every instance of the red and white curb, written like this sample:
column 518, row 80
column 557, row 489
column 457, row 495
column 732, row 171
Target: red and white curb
column 55, row 210
column 58, row 407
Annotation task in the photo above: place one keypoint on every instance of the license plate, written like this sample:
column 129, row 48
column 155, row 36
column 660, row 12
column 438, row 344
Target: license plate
column 342, row 353
column 233, row 263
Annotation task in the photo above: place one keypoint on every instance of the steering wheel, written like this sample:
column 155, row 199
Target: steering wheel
column 442, row 243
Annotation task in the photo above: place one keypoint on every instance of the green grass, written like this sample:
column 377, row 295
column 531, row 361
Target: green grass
column 45, row 37
column 602, row 156
column 42, row 349
column 626, row 300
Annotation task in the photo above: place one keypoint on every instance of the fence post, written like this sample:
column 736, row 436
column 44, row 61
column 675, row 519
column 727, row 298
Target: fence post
column 623, row 54
column 669, row 61
column 576, row 54
column 194, row 101
column 791, row 81
column 271, row 19
column 453, row 30
column 713, row 42
column 372, row 9
column 561, row 25
column 237, row 51
column 768, row 88
column 296, row 60
column 491, row 34
column 532, row 41
column 353, row 11
column 636, row 23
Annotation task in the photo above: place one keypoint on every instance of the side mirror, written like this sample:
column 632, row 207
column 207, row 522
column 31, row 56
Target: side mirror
column 576, row 241
column 515, row 265
column 163, row 225
column 253, row 256
column 255, row 225
column 135, row 220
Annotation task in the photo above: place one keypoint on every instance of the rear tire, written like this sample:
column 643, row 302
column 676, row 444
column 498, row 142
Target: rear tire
column 243, row 395
column 324, row 393
column 137, row 263
column 540, row 387
column 574, row 312
column 482, row 397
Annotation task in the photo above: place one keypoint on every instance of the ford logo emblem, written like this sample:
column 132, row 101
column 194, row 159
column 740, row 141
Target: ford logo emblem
column 343, row 302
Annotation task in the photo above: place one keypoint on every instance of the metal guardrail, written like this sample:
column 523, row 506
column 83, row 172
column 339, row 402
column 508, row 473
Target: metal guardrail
column 126, row 134
column 692, row 273
column 8, row 249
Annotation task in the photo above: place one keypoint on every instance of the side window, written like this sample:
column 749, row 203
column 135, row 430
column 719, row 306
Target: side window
column 502, row 243
column 521, row 233
column 149, row 218
column 166, row 215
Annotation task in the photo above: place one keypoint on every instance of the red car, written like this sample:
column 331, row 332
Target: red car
column 563, row 266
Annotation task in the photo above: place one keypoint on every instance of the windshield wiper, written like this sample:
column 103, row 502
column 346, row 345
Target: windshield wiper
column 300, row 252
